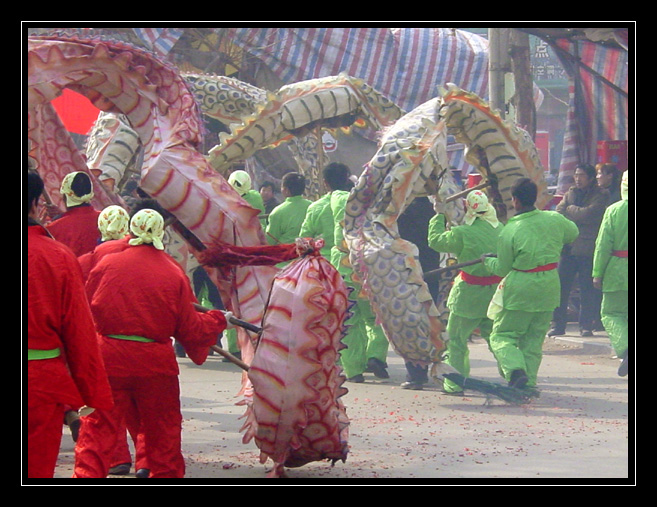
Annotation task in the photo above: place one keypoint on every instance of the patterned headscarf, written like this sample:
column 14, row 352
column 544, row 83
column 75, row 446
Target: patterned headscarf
column 113, row 223
column 624, row 185
column 71, row 198
column 477, row 206
column 240, row 181
column 148, row 227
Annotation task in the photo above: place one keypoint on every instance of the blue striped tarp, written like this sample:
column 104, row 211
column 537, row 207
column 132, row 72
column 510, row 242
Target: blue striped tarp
column 405, row 64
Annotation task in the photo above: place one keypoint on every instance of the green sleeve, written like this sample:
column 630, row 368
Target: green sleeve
column 604, row 244
column 441, row 240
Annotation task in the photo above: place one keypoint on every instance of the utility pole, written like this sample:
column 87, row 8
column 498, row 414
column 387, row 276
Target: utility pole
column 523, row 97
column 498, row 66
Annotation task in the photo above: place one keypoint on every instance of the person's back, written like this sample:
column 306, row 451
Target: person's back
column 77, row 228
column 286, row 219
column 528, row 252
column 319, row 223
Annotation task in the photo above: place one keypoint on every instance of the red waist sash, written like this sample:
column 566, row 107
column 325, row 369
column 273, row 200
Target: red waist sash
column 546, row 267
column 619, row 253
column 479, row 280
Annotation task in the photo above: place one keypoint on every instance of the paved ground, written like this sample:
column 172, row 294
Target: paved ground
column 580, row 430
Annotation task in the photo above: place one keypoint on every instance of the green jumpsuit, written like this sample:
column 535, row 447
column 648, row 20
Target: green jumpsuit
column 528, row 252
column 285, row 220
column 610, row 262
column 364, row 339
column 471, row 293
column 319, row 223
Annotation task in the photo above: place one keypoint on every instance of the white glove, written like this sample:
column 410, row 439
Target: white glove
column 228, row 316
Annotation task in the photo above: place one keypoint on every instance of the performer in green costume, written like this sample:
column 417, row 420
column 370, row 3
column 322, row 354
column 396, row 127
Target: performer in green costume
column 366, row 344
column 528, row 253
column 285, row 219
column 610, row 273
column 474, row 287
column 319, row 217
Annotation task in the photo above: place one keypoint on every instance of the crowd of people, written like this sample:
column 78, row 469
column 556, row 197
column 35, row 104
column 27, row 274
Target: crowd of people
column 105, row 300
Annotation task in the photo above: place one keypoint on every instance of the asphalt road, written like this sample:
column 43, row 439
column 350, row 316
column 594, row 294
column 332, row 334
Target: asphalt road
column 579, row 431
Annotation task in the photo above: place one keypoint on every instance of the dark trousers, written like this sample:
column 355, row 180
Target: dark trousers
column 580, row 267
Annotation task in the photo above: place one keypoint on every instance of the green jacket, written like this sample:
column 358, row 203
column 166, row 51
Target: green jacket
column 285, row 220
column 338, row 203
column 255, row 200
column 319, row 223
column 467, row 242
column 530, row 240
column 613, row 236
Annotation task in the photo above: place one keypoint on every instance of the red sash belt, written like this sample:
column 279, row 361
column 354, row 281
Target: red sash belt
column 546, row 267
column 619, row 253
column 479, row 280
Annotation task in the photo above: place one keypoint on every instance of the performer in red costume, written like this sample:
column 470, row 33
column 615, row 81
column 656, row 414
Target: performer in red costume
column 140, row 299
column 78, row 227
column 64, row 365
column 113, row 224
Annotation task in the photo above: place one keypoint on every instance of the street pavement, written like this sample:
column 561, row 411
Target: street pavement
column 579, row 431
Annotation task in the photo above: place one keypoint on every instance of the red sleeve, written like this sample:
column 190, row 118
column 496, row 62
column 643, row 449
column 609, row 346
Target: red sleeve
column 198, row 331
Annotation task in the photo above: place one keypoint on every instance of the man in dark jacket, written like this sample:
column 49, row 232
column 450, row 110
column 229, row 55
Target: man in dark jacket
column 585, row 205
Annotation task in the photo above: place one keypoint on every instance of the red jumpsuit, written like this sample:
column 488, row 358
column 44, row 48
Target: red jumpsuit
column 122, row 452
column 77, row 229
column 142, row 292
column 58, row 318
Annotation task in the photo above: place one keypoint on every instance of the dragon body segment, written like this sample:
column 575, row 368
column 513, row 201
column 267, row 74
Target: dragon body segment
column 296, row 415
column 155, row 99
column 501, row 151
column 410, row 162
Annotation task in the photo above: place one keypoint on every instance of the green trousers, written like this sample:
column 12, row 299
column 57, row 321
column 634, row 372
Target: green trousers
column 517, row 341
column 364, row 340
column 459, row 330
column 614, row 316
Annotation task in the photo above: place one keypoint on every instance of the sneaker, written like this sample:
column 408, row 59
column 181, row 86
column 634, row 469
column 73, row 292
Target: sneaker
column 357, row 379
column 518, row 379
column 623, row 369
column 143, row 473
column 556, row 332
column 121, row 469
column 377, row 367
column 413, row 386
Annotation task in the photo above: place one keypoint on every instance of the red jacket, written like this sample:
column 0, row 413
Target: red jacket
column 59, row 317
column 142, row 291
column 77, row 229
column 90, row 259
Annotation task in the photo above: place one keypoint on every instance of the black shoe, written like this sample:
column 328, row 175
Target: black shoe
column 413, row 386
column 623, row 369
column 518, row 379
column 357, row 379
column 122, row 469
column 142, row 473
column 586, row 333
column 377, row 367
column 555, row 331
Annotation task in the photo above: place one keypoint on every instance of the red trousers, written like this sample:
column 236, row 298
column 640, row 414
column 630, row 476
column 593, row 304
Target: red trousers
column 44, row 437
column 157, row 403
